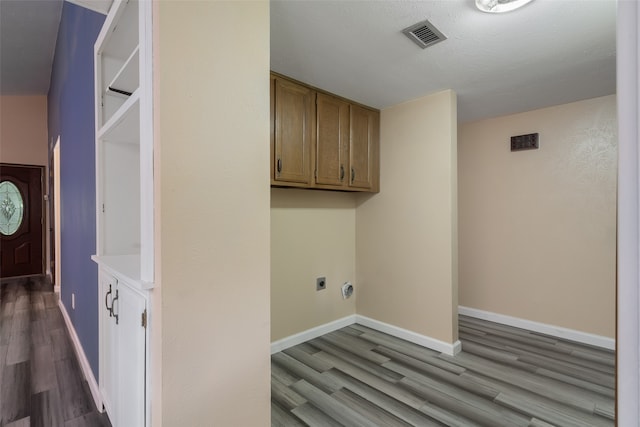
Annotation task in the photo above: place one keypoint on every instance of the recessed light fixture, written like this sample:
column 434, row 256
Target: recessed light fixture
column 500, row 6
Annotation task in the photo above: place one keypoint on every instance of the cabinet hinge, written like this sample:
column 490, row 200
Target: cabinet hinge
column 103, row 208
column 144, row 319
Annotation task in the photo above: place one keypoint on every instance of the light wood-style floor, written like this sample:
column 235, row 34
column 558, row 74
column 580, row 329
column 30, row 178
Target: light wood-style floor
column 41, row 383
column 503, row 377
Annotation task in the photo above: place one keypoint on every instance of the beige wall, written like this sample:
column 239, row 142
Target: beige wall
column 538, row 228
column 23, row 130
column 313, row 234
column 406, row 245
column 212, row 73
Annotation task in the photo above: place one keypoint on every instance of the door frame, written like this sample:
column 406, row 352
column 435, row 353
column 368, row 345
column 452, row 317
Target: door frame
column 628, row 290
column 54, row 213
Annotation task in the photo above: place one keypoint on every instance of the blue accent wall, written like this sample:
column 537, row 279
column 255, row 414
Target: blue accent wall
column 71, row 116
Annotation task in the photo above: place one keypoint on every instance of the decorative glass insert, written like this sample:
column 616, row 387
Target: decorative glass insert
column 11, row 208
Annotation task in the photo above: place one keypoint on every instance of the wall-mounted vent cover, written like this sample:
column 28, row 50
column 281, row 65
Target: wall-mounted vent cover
column 424, row 34
column 529, row 141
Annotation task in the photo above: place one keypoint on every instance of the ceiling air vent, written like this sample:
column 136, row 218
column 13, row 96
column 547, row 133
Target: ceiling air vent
column 424, row 34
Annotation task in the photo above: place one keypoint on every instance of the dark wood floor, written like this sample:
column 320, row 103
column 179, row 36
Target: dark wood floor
column 503, row 377
column 41, row 383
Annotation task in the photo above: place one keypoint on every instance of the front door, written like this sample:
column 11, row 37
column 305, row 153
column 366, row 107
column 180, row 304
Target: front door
column 20, row 220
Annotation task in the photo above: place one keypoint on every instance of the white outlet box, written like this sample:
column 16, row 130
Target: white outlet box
column 73, row 301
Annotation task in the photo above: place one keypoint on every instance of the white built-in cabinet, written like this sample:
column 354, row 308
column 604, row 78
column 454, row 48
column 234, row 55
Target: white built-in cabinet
column 122, row 350
column 124, row 209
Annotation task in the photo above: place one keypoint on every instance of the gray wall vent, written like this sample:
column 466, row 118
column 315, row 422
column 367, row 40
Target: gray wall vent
column 424, row 34
column 529, row 141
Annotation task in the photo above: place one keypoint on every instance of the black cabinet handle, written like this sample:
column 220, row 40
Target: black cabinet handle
column 341, row 173
column 353, row 175
column 279, row 165
column 113, row 306
column 106, row 304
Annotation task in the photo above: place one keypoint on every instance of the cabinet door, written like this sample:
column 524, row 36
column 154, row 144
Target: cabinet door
column 108, row 344
column 332, row 140
column 363, row 148
column 131, row 357
column 292, row 133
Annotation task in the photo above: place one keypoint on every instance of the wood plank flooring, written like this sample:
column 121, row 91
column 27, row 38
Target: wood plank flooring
column 504, row 376
column 41, row 383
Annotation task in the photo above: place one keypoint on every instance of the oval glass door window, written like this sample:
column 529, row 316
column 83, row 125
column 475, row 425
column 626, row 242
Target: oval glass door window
column 11, row 208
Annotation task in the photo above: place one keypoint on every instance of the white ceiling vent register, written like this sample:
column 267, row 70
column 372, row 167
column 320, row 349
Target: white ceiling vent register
column 424, row 34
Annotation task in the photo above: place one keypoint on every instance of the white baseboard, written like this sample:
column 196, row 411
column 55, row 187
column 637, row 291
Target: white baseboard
column 309, row 334
column 414, row 337
column 82, row 358
column 543, row 328
column 312, row 333
column 56, row 287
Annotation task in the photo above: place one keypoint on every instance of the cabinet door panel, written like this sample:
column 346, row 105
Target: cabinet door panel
column 332, row 123
column 108, row 344
column 293, row 132
column 363, row 148
column 131, row 357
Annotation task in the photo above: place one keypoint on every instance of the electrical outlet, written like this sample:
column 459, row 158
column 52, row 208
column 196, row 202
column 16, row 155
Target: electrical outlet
column 73, row 301
column 321, row 283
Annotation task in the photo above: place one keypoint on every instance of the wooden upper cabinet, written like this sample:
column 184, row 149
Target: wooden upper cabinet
column 292, row 132
column 322, row 141
column 363, row 148
column 332, row 140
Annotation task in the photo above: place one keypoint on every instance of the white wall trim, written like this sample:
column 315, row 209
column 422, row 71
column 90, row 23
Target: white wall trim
column 628, row 96
column 82, row 358
column 56, row 287
column 543, row 328
column 405, row 334
column 56, row 216
column 312, row 333
column 414, row 337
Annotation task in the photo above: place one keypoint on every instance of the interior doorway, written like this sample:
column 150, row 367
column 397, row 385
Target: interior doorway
column 21, row 220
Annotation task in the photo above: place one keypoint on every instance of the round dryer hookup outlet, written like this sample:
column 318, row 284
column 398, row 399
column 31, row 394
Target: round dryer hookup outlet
column 347, row 290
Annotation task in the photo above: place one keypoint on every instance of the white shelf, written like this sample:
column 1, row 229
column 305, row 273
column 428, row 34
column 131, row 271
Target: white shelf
column 128, row 78
column 119, row 34
column 124, row 266
column 124, row 125
column 117, row 58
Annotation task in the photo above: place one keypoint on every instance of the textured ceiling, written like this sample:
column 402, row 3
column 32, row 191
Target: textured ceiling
column 28, row 33
column 549, row 52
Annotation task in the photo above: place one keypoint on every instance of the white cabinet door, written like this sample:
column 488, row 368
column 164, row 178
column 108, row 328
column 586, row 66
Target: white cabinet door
column 108, row 342
column 131, row 357
column 122, row 351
